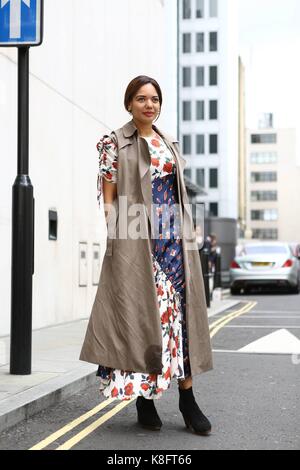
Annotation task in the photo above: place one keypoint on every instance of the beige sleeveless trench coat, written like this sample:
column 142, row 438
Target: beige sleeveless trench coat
column 124, row 329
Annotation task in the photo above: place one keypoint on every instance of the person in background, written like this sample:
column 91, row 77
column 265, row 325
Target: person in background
column 213, row 252
column 210, row 245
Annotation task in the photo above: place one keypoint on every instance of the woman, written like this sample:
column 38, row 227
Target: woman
column 149, row 321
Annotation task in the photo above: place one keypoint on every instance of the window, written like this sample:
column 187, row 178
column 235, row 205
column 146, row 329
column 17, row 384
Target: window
column 266, row 215
column 200, row 76
column 213, row 178
column 213, row 41
column 188, row 172
column 213, row 75
column 186, row 42
column 200, row 144
column 213, row 8
column 264, row 176
column 263, row 195
column 186, row 76
column 187, row 145
column 186, row 9
column 199, row 42
column 200, row 111
column 263, row 138
column 199, row 8
column 186, row 110
column 213, row 143
column 213, row 109
column 255, row 215
column 200, row 175
column 213, row 209
column 265, row 233
column 263, row 157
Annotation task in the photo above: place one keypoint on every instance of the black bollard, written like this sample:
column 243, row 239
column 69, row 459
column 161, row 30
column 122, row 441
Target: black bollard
column 217, row 274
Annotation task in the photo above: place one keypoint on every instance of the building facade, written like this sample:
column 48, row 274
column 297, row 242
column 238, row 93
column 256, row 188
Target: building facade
column 208, row 100
column 273, row 175
column 242, row 168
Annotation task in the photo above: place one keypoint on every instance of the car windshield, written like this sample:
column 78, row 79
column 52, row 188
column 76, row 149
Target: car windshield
column 264, row 249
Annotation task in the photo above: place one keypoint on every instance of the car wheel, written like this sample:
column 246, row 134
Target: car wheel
column 295, row 289
column 234, row 291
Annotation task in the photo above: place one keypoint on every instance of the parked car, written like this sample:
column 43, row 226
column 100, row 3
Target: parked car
column 265, row 264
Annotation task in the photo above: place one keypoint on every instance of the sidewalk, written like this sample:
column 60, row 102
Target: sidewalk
column 56, row 370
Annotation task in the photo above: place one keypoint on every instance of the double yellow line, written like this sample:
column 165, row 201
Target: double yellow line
column 214, row 328
column 218, row 324
column 85, row 432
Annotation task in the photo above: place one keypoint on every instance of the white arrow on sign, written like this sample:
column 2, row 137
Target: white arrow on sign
column 15, row 16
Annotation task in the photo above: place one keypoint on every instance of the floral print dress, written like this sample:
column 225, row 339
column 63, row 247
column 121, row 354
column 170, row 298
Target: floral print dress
column 168, row 272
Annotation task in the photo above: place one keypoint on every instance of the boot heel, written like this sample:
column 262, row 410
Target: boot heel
column 187, row 423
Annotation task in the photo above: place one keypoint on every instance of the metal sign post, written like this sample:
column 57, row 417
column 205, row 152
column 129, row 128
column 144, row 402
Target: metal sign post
column 21, row 26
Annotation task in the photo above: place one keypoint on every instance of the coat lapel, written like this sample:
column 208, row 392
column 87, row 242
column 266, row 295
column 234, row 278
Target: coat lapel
column 144, row 163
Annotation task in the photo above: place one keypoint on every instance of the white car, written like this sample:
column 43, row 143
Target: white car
column 269, row 264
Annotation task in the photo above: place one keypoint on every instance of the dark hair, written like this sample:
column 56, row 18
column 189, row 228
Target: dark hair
column 136, row 84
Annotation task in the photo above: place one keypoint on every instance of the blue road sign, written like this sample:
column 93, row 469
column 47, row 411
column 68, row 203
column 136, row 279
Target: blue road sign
column 20, row 22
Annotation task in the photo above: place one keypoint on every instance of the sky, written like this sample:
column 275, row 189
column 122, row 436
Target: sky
column 269, row 43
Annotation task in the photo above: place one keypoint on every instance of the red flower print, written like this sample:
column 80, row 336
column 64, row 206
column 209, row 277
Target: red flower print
column 160, row 291
column 169, row 311
column 168, row 167
column 115, row 164
column 129, row 388
column 168, row 374
column 177, row 341
column 114, row 392
column 145, row 386
column 108, row 176
column 165, row 317
column 155, row 161
column 155, row 143
column 152, row 377
column 174, row 352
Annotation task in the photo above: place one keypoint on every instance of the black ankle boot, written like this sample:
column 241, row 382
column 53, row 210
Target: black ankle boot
column 193, row 417
column 147, row 414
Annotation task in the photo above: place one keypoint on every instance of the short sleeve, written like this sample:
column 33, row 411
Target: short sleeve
column 108, row 163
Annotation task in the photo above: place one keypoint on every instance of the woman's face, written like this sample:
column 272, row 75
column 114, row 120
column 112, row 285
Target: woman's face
column 145, row 104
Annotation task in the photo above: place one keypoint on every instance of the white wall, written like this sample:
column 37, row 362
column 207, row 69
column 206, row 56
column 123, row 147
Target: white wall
column 77, row 82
